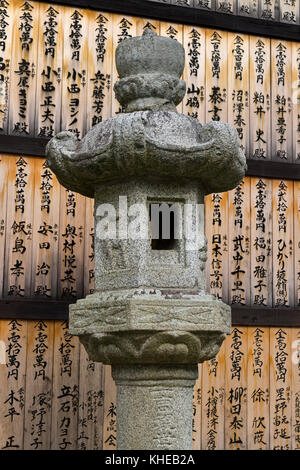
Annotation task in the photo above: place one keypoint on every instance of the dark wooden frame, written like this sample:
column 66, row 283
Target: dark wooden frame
column 269, row 317
column 21, row 145
column 59, row 310
column 191, row 16
column 27, row 309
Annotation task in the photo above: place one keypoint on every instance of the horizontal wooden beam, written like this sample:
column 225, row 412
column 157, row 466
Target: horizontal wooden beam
column 35, row 147
column 192, row 16
column 34, row 309
column 251, row 316
column 59, row 310
column 21, row 145
column 272, row 169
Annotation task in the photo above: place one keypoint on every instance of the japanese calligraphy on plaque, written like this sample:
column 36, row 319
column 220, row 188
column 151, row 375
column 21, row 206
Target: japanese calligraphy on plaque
column 248, row 7
column 194, row 43
column 289, row 11
column 269, row 9
column 226, row 7
column 6, row 23
column 49, row 72
column 216, row 76
column 23, row 68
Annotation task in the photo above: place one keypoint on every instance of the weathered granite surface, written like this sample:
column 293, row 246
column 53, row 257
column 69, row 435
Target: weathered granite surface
column 157, row 406
column 127, row 263
column 134, row 146
column 149, row 316
column 165, row 328
column 151, row 142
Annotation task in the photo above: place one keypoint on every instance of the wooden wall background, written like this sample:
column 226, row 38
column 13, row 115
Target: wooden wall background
column 47, row 239
column 53, row 397
column 59, row 63
column 57, row 72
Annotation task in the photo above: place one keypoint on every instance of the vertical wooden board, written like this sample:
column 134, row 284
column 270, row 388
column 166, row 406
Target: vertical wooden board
column 239, row 244
column 194, row 73
column 269, row 10
column 239, row 86
column 260, row 98
column 248, row 8
column 280, row 389
column 261, row 249
column 100, row 65
column 213, row 393
column 281, row 60
column 110, row 411
column 205, row 4
column 74, row 76
column 226, row 7
column 197, row 411
column 49, row 71
column 6, row 24
column 72, row 245
column 296, row 100
column 64, row 427
column 295, row 341
column 216, row 223
column 143, row 23
column 283, row 241
column 74, row 103
column 12, row 382
column 4, row 163
column 297, row 242
column 236, row 351
column 24, row 68
column 45, row 232
column 216, row 75
column 123, row 27
column 38, row 397
column 18, row 252
column 289, row 11
column 91, row 401
column 173, row 31
column 258, row 418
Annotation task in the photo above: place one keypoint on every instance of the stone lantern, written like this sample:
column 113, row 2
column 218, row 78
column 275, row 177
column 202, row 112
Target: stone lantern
column 149, row 169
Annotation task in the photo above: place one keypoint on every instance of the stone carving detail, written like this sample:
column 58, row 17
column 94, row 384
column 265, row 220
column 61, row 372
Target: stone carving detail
column 146, row 81
column 144, row 310
column 165, row 347
column 149, row 145
column 131, row 145
column 165, row 404
column 133, row 92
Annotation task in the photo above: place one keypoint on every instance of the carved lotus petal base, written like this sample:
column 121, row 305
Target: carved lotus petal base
column 164, row 347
